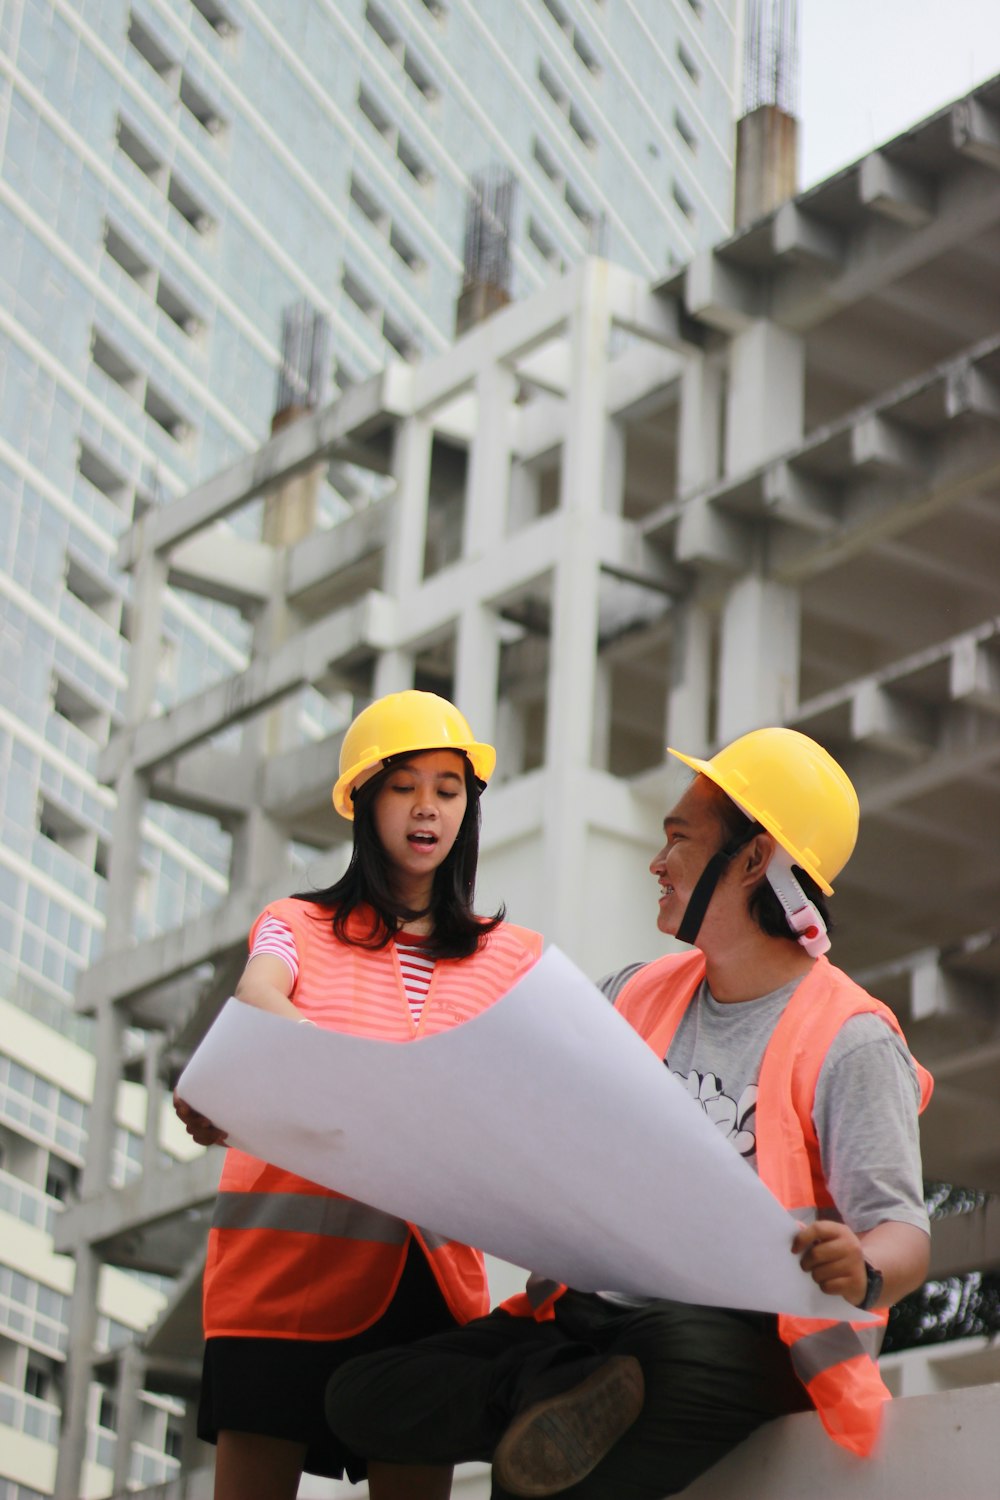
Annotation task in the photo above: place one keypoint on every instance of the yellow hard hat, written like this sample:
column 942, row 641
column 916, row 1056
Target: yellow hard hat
column 796, row 790
column 396, row 725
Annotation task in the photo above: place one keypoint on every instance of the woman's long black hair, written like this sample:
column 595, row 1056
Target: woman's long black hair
column 457, row 931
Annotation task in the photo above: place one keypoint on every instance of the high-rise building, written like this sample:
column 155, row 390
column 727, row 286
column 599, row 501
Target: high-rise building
column 175, row 177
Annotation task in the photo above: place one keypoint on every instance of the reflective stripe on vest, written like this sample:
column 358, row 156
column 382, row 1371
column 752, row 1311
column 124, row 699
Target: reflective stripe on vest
column 300, row 1213
column 289, row 1259
column 835, row 1361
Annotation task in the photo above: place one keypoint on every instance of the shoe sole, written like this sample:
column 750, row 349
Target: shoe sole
column 557, row 1442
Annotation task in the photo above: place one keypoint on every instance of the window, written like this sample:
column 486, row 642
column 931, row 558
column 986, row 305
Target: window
column 145, row 43
column 436, row 8
column 78, row 710
column 187, row 205
column 359, row 295
column 218, row 18
column 407, row 254
column 584, row 53
column 125, row 255
column 62, row 829
column 417, row 76
column 135, row 148
column 688, row 63
column 84, row 584
column 557, row 13
column 685, row 131
column 366, row 202
column 576, row 206
column 176, row 309
column 697, row 6
column 373, row 113
column 416, row 167
column 114, row 364
column 101, row 475
column 200, row 106
column 545, row 247
column 383, row 27
column 548, row 164
column 579, row 126
column 164, row 414
column 552, row 87
column 682, row 200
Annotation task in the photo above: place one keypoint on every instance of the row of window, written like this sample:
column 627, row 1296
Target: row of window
column 566, row 107
column 384, row 29
column 160, row 289
column 167, row 67
column 367, row 302
column 177, row 193
column 117, row 367
column 376, row 214
column 577, row 40
column 394, row 138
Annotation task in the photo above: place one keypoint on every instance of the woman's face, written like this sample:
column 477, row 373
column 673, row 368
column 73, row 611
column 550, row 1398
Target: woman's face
column 418, row 811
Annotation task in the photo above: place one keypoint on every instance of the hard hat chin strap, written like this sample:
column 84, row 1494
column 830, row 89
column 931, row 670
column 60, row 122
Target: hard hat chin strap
column 694, row 912
column 800, row 913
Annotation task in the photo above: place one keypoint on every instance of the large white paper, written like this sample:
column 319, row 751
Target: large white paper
column 543, row 1131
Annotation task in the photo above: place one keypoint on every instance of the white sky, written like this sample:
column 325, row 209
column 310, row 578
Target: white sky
column 872, row 68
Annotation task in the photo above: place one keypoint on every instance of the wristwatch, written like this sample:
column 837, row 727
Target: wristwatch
column 873, row 1290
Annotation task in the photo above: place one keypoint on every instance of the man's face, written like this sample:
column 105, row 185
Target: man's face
column 693, row 834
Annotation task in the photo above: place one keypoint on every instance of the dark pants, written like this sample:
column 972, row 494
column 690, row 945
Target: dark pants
column 712, row 1376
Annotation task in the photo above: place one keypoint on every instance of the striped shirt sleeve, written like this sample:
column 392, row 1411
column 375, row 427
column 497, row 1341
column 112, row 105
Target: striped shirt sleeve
column 275, row 937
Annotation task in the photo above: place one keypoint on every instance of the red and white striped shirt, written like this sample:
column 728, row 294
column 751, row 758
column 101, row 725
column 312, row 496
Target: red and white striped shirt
column 275, row 937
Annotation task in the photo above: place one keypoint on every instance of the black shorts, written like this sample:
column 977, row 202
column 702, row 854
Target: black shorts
column 275, row 1387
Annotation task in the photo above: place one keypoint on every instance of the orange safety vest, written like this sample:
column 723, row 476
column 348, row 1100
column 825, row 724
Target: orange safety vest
column 290, row 1259
column 835, row 1361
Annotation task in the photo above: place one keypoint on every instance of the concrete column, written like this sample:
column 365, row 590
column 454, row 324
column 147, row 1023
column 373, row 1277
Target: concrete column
column 411, row 466
column 600, row 743
column 488, row 473
column 76, row 1375
column 700, row 423
column 477, row 661
column 393, row 673
column 759, row 662
column 689, row 696
column 613, row 497
column 575, row 602
column 153, row 1085
column 766, row 397
column 131, row 1375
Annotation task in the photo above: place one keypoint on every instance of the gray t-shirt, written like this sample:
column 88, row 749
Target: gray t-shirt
column 865, row 1110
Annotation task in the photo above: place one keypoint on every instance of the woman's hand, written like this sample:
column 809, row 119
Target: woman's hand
column 834, row 1257
column 198, row 1127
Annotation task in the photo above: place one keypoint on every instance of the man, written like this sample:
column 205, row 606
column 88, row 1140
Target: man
column 811, row 1079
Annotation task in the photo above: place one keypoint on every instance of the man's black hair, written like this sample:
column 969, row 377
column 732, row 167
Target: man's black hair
column 764, row 906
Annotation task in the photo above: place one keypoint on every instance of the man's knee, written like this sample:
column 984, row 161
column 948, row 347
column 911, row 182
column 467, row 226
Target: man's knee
column 349, row 1403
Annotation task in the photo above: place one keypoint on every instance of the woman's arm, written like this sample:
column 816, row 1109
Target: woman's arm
column 266, row 982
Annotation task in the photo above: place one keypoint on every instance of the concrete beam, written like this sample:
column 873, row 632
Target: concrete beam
column 931, row 1446
column 324, row 560
column 306, row 659
column 974, row 673
column 720, row 294
column 969, row 391
column 706, row 535
column 895, row 192
column 975, row 132
column 798, row 235
column 122, row 974
column 879, row 443
column 801, row 499
column 218, row 564
column 316, row 437
column 147, row 1200
column 891, row 722
column 216, row 783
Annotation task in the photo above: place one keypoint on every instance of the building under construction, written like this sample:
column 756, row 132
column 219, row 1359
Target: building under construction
column 616, row 515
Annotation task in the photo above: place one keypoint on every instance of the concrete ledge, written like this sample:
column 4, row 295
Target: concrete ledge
column 946, row 1445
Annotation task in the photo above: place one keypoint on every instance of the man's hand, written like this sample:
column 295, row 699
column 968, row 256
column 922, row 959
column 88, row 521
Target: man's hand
column 198, row 1127
column 835, row 1259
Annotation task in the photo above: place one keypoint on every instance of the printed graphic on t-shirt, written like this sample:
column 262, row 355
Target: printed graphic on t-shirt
column 735, row 1118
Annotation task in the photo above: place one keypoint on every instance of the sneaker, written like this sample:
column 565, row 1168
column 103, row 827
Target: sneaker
column 556, row 1442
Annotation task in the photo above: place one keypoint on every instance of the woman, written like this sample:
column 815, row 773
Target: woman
column 299, row 1279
